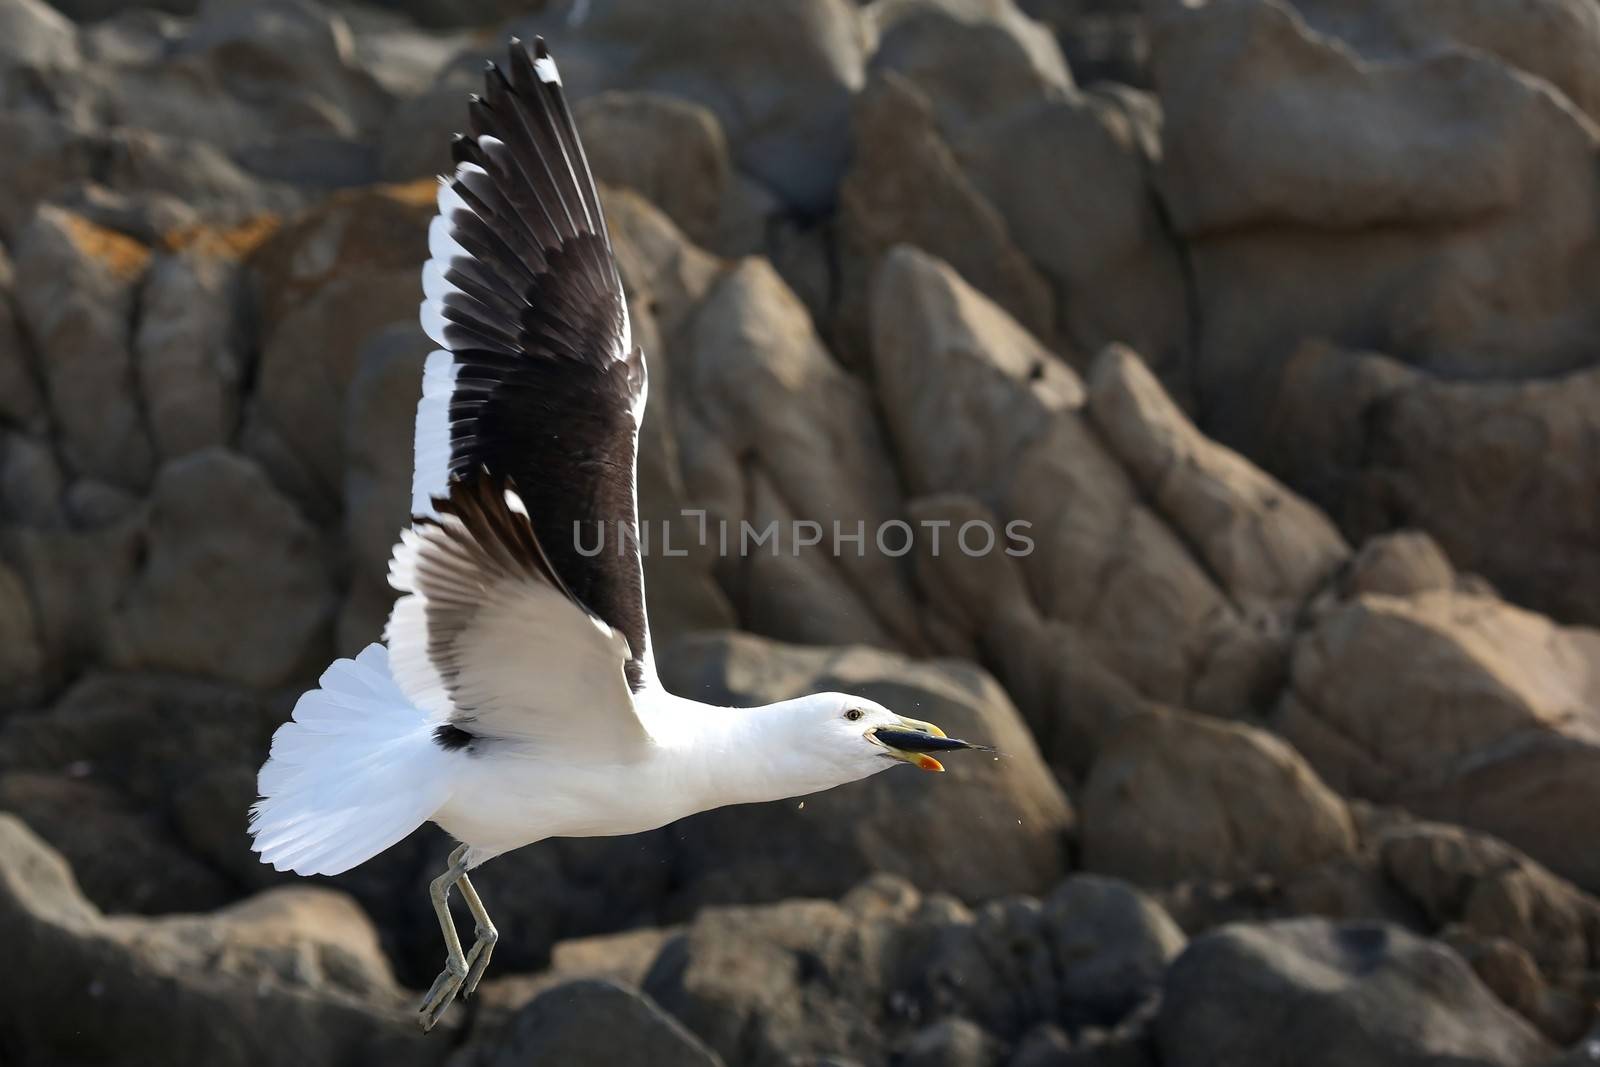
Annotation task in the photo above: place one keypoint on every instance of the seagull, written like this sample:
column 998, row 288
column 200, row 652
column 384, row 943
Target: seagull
column 514, row 696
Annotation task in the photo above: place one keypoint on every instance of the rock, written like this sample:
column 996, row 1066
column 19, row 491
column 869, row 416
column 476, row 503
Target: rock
column 170, row 760
column 1366, row 676
column 1555, row 40
column 1397, row 564
column 129, row 860
column 21, row 399
column 23, row 666
column 1004, row 837
column 234, row 586
column 905, row 186
column 973, row 58
column 1263, row 543
column 1312, row 992
column 77, row 304
column 1299, row 230
column 981, row 608
column 1102, row 242
column 328, row 283
column 779, row 444
column 951, row 1043
column 1113, row 944
column 883, row 976
column 188, row 353
column 670, row 151
column 1492, row 470
column 76, row 581
column 30, row 481
column 301, row 965
column 778, row 76
column 975, row 406
column 1175, row 795
column 593, row 1021
column 1482, row 885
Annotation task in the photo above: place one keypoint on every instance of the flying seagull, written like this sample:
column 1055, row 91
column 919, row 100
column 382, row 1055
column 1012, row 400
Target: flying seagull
column 515, row 697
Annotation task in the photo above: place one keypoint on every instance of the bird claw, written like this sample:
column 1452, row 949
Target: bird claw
column 441, row 994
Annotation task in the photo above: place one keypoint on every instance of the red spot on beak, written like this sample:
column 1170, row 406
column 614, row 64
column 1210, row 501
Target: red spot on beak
column 928, row 763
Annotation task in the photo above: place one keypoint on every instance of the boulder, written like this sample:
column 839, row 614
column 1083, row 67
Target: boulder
column 670, row 151
column 1483, row 885
column 973, row 58
column 778, row 76
column 130, row 860
column 1173, row 795
column 23, row 665
column 1302, row 228
column 77, row 302
column 975, row 406
column 1113, row 943
column 327, row 283
column 1265, row 546
column 1495, row 471
column 125, row 768
column 780, row 445
column 596, row 1023
column 188, row 351
column 888, row 973
column 1311, row 992
column 1516, row 752
column 21, row 399
column 289, row 977
column 906, row 187
column 233, row 585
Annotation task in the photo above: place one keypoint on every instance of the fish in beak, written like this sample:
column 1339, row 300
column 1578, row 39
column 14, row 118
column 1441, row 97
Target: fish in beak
column 914, row 743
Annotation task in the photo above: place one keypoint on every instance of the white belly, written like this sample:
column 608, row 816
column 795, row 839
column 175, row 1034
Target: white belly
column 505, row 799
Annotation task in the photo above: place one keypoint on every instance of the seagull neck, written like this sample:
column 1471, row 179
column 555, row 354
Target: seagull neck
column 740, row 755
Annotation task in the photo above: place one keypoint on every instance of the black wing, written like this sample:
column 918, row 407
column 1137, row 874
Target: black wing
column 538, row 382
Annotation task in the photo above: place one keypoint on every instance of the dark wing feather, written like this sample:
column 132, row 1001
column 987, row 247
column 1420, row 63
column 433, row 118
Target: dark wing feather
column 538, row 382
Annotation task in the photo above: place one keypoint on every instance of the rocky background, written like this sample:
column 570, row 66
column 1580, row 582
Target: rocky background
column 1276, row 320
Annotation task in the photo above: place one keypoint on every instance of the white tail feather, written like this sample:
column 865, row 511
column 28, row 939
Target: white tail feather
column 355, row 771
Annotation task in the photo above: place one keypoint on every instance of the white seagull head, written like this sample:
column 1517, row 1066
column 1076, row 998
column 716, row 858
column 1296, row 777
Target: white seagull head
column 842, row 737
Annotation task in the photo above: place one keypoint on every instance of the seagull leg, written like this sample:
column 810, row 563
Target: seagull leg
column 449, row 981
column 483, row 948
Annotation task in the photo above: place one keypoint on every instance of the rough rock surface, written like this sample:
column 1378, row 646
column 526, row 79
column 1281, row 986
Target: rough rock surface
column 1323, row 994
column 1213, row 385
column 1457, row 706
column 292, row 976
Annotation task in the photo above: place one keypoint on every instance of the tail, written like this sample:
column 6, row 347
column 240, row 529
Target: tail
column 354, row 772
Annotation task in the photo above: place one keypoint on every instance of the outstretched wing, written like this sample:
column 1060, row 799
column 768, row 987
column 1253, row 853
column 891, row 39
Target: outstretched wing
column 537, row 385
column 488, row 637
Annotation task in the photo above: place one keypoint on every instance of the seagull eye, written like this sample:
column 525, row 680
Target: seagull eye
column 853, row 714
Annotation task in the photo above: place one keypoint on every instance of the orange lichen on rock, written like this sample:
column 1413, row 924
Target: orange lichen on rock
column 120, row 254
column 233, row 242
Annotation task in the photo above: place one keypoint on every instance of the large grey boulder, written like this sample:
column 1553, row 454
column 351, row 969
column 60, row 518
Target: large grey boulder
column 596, row 1023
column 77, row 297
column 288, row 977
column 888, row 974
column 1493, row 470
column 1173, row 795
column 778, row 444
column 1320, row 994
column 778, row 76
column 1444, row 212
column 1515, row 757
column 234, row 586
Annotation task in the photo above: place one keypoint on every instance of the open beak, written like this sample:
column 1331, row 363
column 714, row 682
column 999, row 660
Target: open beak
column 914, row 743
